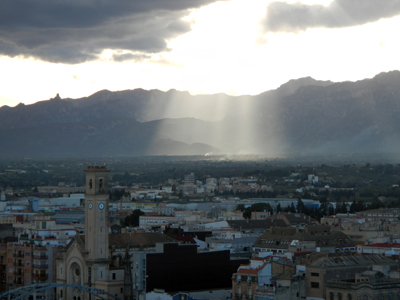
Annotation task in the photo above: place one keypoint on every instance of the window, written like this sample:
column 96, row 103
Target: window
column 314, row 274
column 113, row 276
column 315, row 285
column 331, row 297
column 350, row 297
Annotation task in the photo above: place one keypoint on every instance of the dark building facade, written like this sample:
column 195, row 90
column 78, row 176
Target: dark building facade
column 180, row 267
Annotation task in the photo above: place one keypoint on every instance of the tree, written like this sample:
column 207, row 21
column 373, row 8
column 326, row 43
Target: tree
column 256, row 207
column 132, row 219
column 300, row 206
column 240, row 207
column 292, row 209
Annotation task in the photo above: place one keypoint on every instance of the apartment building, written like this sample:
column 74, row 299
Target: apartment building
column 26, row 264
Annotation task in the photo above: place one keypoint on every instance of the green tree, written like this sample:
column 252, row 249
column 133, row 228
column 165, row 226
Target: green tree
column 132, row 219
column 292, row 209
column 300, row 206
column 240, row 207
column 256, row 207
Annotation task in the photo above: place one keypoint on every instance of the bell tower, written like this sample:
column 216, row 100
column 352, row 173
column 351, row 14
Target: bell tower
column 96, row 213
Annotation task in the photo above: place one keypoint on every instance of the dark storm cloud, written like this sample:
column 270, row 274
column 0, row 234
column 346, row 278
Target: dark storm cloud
column 284, row 17
column 129, row 56
column 74, row 31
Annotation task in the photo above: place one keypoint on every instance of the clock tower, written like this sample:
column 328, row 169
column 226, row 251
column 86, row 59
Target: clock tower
column 96, row 213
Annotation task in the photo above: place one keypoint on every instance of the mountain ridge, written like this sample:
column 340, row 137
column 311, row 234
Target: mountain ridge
column 301, row 116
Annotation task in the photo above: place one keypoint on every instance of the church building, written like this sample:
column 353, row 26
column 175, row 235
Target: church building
column 91, row 260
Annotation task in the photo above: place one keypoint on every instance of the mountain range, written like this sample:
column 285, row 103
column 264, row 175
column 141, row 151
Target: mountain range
column 303, row 116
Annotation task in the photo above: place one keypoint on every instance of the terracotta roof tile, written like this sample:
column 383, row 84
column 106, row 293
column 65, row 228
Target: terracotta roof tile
column 248, row 271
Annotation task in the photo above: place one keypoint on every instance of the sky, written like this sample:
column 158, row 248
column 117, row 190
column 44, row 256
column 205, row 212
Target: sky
column 239, row 47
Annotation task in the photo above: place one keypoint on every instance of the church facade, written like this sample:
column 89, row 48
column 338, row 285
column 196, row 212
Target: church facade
column 86, row 260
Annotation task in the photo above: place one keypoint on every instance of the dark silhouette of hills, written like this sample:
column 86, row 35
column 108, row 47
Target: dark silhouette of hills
column 303, row 116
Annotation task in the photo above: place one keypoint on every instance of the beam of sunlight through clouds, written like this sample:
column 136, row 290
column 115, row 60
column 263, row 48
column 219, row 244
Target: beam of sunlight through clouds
column 221, row 53
column 234, row 47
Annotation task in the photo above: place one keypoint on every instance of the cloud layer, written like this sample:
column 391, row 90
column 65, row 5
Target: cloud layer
column 285, row 17
column 75, row 31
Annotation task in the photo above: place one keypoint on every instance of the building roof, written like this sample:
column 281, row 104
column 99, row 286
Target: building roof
column 138, row 239
column 384, row 245
column 68, row 217
column 282, row 241
column 248, row 271
column 296, row 218
column 394, row 211
column 255, row 224
column 351, row 261
column 185, row 239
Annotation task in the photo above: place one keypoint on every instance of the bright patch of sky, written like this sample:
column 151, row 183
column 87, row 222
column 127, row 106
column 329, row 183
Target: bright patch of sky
column 232, row 47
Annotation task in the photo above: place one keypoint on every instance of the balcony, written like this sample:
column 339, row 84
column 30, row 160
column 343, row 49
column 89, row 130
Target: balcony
column 20, row 255
column 40, row 256
column 42, row 266
column 18, row 264
column 40, row 247
column 18, row 273
column 40, row 276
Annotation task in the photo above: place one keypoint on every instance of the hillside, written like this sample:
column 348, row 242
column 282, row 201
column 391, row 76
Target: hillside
column 302, row 116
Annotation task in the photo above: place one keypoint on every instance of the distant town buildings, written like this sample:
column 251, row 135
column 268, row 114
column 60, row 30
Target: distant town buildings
column 191, row 238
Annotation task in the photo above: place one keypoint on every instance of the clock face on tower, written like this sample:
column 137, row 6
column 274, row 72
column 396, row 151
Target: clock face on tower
column 101, row 205
column 90, row 205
